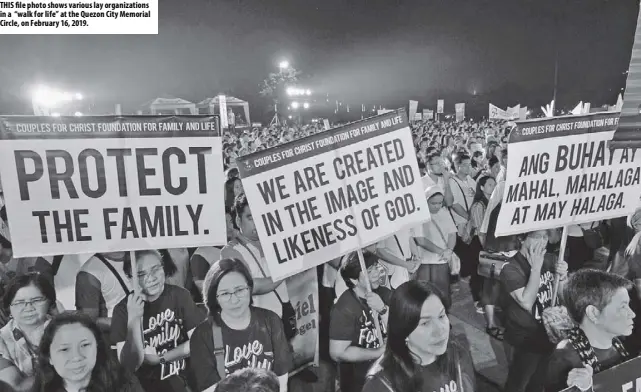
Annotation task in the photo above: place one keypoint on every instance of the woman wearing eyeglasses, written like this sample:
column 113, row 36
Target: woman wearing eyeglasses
column 30, row 299
column 151, row 329
column 236, row 335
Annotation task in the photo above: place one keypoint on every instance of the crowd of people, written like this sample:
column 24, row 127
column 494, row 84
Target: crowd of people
column 213, row 318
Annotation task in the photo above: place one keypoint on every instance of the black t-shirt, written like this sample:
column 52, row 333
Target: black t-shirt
column 524, row 328
column 565, row 358
column 433, row 379
column 351, row 319
column 261, row 345
column 166, row 322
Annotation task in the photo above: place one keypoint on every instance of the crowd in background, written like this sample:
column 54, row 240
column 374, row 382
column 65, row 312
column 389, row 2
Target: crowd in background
column 203, row 316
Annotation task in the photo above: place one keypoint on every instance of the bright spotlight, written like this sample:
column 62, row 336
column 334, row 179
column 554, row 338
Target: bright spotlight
column 291, row 91
column 55, row 114
column 290, row 117
column 295, row 105
column 308, row 92
column 306, row 105
column 79, row 96
column 77, row 114
column 283, row 64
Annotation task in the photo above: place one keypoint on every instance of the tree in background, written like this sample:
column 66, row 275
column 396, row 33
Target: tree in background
column 274, row 86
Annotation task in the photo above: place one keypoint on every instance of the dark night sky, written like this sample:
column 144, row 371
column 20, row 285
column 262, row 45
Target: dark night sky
column 376, row 51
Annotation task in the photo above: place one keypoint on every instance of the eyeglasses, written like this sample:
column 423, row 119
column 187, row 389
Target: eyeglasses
column 155, row 271
column 34, row 302
column 239, row 293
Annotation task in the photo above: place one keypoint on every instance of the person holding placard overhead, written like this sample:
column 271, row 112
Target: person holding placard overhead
column 354, row 341
column 246, row 247
column 600, row 305
column 420, row 354
column 151, row 328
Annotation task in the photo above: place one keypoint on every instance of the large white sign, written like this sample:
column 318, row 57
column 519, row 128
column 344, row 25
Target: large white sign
column 562, row 172
column 99, row 184
column 320, row 197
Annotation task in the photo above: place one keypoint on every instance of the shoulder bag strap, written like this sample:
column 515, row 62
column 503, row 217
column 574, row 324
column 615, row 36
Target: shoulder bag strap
column 440, row 231
column 262, row 271
column 467, row 208
column 386, row 383
column 219, row 349
column 114, row 272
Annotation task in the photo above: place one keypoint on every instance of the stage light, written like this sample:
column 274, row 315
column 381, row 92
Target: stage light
column 283, row 64
column 295, row 105
column 308, row 92
column 77, row 114
column 55, row 114
column 306, row 105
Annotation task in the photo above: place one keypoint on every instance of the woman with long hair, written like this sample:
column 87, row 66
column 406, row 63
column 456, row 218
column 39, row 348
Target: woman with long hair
column 420, row 356
column 485, row 292
column 233, row 188
column 235, row 326
column 30, row 299
column 75, row 357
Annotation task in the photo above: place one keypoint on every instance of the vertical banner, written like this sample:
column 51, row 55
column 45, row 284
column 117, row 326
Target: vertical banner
column 561, row 172
column 224, row 120
column 319, row 197
column 303, row 295
column 523, row 113
column 440, row 106
column 497, row 113
column 413, row 109
column 326, row 123
column 112, row 183
column 460, row 111
column 513, row 112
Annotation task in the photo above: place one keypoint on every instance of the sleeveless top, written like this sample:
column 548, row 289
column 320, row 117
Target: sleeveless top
column 270, row 300
column 110, row 288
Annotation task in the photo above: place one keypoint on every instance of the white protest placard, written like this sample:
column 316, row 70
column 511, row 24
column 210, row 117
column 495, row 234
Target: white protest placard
column 112, row 183
column 320, row 197
column 440, row 106
column 562, row 172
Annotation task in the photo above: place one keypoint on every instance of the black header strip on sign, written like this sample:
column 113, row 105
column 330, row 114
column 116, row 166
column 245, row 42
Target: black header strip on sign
column 92, row 127
column 535, row 129
column 247, row 164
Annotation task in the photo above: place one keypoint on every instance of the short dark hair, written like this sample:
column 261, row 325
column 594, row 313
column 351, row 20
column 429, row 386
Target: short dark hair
column 432, row 156
column 249, row 380
column 168, row 265
column 216, row 273
column 352, row 268
column 493, row 161
column 30, row 279
column 591, row 287
column 462, row 157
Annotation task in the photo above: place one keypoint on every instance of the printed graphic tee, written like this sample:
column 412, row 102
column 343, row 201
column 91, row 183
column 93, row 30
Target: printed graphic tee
column 351, row 319
column 166, row 322
column 525, row 328
column 261, row 345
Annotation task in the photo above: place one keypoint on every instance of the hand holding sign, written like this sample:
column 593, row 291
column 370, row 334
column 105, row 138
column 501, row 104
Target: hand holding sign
column 581, row 378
